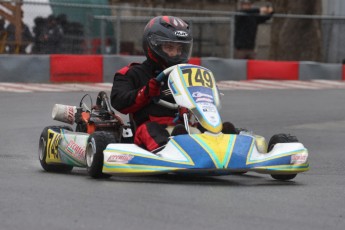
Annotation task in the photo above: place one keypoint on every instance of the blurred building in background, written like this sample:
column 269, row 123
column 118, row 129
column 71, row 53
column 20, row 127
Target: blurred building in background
column 115, row 26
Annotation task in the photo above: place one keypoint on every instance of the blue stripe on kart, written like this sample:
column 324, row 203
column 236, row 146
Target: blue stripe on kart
column 210, row 152
column 199, row 155
column 243, row 146
column 173, row 89
column 140, row 159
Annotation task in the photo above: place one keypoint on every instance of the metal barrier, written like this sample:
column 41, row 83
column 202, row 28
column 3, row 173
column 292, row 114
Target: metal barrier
column 120, row 32
column 200, row 21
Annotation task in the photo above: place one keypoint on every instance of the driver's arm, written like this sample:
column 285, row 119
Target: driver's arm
column 126, row 97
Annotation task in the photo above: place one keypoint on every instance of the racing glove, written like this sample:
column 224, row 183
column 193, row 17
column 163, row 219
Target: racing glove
column 181, row 111
column 144, row 96
column 153, row 88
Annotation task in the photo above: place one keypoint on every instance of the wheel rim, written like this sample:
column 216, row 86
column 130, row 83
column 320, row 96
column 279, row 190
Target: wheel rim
column 41, row 149
column 90, row 152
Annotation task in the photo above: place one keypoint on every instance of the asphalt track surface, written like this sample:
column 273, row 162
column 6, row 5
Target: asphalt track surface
column 33, row 199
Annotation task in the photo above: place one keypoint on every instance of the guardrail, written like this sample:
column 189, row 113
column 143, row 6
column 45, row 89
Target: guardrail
column 101, row 68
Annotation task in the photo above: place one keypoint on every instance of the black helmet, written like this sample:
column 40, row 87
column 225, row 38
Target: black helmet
column 167, row 29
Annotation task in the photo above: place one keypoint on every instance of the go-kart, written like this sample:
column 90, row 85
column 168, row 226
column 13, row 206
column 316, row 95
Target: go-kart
column 103, row 143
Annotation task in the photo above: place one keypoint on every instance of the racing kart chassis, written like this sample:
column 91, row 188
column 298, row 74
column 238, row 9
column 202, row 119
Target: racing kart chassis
column 103, row 144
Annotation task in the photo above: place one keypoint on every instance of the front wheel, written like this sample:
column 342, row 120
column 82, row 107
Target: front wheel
column 42, row 151
column 96, row 144
column 283, row 177
column 282, row 138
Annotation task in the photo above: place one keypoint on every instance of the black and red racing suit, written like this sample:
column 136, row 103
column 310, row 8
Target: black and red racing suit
column 128, row 96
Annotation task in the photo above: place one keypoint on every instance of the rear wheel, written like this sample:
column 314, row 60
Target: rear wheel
column 42, row 151
column 282, row 138
column 96, row 144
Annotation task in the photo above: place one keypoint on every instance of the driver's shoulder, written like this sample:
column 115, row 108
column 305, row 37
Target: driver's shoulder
column 124, row 70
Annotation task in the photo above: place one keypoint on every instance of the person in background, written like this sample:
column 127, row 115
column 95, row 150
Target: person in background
column 246, row 26
column 3, row 36
column 51, row 37
column 38, row 29
column 27, row 38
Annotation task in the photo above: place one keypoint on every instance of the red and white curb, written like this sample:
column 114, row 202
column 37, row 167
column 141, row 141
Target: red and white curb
column 222, row 85
column 289, row 84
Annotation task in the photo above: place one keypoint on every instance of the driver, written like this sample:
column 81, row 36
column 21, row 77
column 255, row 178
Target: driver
column 167, row 41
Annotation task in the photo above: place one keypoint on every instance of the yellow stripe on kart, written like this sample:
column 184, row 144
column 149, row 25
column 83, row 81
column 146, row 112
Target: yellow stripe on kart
column 219, row 148
column 185, row 87
column 285, row 168
column 209, row 127
column 130, row 168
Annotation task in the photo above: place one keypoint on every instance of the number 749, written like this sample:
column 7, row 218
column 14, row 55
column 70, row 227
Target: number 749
column 198, row 77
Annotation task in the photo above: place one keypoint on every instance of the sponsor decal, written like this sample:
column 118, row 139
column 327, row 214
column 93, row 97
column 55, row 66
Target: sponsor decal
column 208, row 109
column 180, row 33
column 299, row 159
column 75, row 150
column 69, row 113
column 198, row 94
column 120, row 158
column 204, row 99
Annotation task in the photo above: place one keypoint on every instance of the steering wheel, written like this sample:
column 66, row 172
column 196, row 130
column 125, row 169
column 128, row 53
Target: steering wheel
column 162, row 77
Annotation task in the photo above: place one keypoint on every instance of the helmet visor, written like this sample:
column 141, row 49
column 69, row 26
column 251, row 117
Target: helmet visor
column 172, row 51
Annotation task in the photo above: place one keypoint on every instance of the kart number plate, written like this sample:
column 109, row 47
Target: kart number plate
column 198, row 77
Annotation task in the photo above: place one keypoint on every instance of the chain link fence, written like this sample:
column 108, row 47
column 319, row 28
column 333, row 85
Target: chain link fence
column 103, row 29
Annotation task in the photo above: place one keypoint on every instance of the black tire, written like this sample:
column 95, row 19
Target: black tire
column 42, row 151
column 239, row 173
column 282, row 138
column 283, row 177
column 96, row 143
